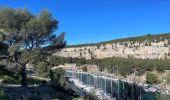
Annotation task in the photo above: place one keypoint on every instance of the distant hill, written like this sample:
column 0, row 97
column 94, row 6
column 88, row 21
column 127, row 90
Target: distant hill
column 151, row 37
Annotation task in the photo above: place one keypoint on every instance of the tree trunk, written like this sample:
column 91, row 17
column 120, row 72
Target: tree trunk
column 51, row 76
column 24, row 76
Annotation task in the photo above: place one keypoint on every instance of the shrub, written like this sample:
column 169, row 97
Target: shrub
column 10, row 79
column 159, row 96
column 90, row 96
column 42, row 69
column 151, row 78
column 84, row 68
column 161, row 69
column 168, row 78
column 58, row 76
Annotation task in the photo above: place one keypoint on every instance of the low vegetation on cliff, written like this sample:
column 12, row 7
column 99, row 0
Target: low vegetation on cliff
column 149, row 37
column 122, row 65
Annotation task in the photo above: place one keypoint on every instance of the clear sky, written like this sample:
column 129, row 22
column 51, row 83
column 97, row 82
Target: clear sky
column 89, row 21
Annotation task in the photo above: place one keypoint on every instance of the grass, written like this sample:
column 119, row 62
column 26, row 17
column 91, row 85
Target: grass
column 10, row 79
column 17, row 79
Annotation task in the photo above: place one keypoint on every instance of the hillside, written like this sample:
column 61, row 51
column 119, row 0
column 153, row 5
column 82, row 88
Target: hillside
column 157, row 37
column 145, row 47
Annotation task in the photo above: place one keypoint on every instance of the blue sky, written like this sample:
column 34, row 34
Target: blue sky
column 90, row 21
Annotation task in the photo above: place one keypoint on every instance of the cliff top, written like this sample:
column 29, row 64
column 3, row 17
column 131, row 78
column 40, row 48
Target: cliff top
column 150, row 37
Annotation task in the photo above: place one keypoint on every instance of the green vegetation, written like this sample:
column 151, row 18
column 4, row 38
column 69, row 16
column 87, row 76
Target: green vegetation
column 58, row 80
column 159, row 96
column 84, row 68
column 89, row 96
column 168, row 78
column 151, row 78
column 55, row 60
column 42, row 69
column 157, row 37
column 10, row 79
column 127, row 66
column 3, row 48
column 3, row 96
column 6, row 79
column 29, row 39
column 23, row 35
column 58, row 76
column 26, row 38
column 121, row 65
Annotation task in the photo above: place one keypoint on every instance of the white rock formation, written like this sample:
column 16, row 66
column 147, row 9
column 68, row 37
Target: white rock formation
column 144, row 50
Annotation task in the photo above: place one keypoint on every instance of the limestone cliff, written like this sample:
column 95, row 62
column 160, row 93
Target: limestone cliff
column 136, row 49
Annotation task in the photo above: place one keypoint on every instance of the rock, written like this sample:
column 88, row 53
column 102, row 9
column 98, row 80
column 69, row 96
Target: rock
column 144, row 50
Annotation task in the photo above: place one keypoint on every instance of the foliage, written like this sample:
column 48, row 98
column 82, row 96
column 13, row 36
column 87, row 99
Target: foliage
column 90, row 96
column 6, row 79
column 3, row 48
column 151, row 78
column 84, row 68
column 159, row 96
column 59, row 41
column 6, row 70
column 56, row 60
column 150, row 37
column 42, row 69
column 58, row 81
column 127, row 66
column 168, row 78
column 10, row 79
column 25, row 34
column 121, row 65
column 58, row 76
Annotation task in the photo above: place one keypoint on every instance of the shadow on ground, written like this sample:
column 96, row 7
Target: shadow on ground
column 16, row 92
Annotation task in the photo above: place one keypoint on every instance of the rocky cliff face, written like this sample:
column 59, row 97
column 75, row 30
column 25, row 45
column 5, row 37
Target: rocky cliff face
column 135, row 49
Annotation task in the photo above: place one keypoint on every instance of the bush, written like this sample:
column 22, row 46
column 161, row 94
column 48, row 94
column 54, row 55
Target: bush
column 58, row 76
column 42, row 69
column 90, row 96
column 151, row 78
column 159, row 96
column 168, row 78
column 10, row 79
column 84, row 68
column 161, row 69
column 122, row 65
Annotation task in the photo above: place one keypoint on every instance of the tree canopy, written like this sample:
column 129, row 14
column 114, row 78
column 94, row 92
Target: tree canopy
column 26, row 34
